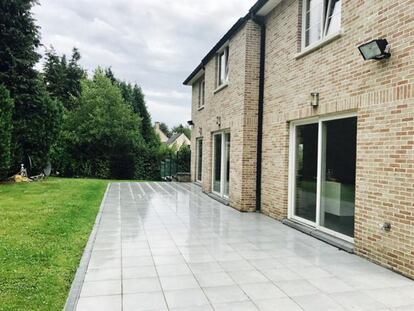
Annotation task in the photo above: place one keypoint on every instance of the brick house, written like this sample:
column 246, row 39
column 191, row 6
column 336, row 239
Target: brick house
column 290, row 120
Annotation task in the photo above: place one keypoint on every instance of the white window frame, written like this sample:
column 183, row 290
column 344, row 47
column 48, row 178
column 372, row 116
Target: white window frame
column 292, row 172
column 324, row 25
column 225, row 52
column 223, row 164
column 201, row 93
column 198, row 140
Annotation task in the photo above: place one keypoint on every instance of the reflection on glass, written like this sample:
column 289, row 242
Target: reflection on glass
column 217, row 163
column 306, row 171
column 199, row 159
column 338, row 175
column 334, row 17
column 313, row 21
column 227, row 163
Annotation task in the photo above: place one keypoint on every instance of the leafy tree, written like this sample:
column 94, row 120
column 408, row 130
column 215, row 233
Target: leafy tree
column 182, row 129
column 184, row 159
column 102, row 134
column 6, row 110
column 63, row 77
column 165, row 129
column 35, row 116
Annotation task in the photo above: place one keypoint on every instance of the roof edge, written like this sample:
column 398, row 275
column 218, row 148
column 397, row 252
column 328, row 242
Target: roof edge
column 229, row 34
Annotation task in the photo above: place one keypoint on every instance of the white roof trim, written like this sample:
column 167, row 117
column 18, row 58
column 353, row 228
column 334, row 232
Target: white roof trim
column 199, row 74
column 268, row 7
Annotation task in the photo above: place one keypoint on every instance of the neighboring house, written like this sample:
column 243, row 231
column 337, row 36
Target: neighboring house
column 290, row 120
column 177, row 140
column 160, row 133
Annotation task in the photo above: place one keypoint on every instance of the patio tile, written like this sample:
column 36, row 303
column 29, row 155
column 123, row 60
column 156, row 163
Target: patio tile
column 279, row 304
column 142, row 285
column 139, row 272
column 170, row 240
column 235, row 306
column 102, row 274
column 144, row 301
column 297, row 288
column 178, row 282
column 101, row 288
column 185, row 298
column 171, row 270
column 101, row 303
column 224, row 294
column 356, row 300
column 318, row 302
column 246, row 277
column 214, row 279
column 260, row 291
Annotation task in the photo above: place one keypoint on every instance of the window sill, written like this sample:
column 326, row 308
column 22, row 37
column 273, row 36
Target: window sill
column 319, row 44
column 200, row 108
column 221, row 87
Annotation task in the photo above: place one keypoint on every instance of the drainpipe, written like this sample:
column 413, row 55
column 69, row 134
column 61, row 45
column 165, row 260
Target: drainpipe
column 261, row 22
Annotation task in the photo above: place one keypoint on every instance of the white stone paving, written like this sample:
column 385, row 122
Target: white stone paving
column 168, row 246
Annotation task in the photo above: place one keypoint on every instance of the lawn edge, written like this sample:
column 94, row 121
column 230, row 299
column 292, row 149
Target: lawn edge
column 77, row 283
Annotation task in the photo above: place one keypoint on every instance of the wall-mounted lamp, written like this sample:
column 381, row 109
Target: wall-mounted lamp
column 375, row 49
column 200, row 131
column 314, row 99
column 190, row 123
column 218, row 121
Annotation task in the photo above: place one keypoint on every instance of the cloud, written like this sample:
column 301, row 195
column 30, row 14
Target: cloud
column 154, row 43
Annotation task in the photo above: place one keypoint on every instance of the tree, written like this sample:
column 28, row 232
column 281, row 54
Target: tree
column 102, row 134
column 35, row 115
column 6, row 110
column 182, row 129
column 165, row 129
column 62, row 77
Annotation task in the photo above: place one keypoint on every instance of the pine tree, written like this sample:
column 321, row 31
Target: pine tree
column 6, row 110
column 35, row 116
column 62, row 77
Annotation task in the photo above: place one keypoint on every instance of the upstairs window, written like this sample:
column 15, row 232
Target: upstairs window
column 201, row 93
column 321, row 18
column 223, row 67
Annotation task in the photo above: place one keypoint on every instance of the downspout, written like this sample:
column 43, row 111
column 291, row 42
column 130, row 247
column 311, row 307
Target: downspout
column 261, row 22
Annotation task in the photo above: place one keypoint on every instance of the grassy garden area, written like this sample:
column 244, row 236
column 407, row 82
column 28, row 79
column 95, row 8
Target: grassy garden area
column 44, row 228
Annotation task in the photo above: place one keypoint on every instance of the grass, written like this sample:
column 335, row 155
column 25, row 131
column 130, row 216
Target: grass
column 44, row 228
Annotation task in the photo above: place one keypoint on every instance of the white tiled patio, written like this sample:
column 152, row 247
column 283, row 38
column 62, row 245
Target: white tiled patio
column 168, row 246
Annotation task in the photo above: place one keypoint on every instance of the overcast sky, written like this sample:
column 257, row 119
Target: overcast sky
column 154, row 43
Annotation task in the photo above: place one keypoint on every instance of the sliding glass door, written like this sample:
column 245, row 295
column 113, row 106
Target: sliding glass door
column 221, row 163
column 322, row 177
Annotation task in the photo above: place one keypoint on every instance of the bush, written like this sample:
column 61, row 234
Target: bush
column 100, row 138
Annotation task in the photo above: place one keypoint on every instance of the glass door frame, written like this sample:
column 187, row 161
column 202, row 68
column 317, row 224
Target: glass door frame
column 223, row 163
column 292, row 171
column 198, row 164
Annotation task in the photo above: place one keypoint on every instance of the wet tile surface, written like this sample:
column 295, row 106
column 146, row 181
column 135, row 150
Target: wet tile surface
column 168, row 246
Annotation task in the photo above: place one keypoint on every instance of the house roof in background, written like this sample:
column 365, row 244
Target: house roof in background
column 173, row 138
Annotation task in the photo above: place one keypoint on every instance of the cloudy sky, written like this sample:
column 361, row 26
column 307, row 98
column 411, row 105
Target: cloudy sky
column 154, row 43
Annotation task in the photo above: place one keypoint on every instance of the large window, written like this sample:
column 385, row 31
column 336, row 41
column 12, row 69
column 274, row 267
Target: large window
column 201, row 93
column 199, row 160
column 321, row 19
column 322, row 174
column 223, row 67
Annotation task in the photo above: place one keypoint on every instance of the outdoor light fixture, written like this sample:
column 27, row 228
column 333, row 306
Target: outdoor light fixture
column 218, row 121
column 200, row 131
column 376, row 49
column 190, row 123
column 314, row 99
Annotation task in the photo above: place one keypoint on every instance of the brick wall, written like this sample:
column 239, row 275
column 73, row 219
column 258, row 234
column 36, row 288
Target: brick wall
column 236, row 105
column 382, row 95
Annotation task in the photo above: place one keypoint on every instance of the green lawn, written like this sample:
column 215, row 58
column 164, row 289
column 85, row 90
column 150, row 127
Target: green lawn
column 44, row 228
